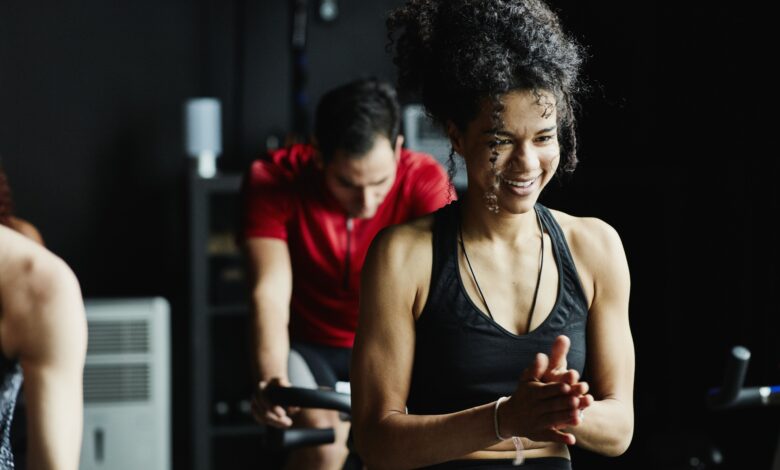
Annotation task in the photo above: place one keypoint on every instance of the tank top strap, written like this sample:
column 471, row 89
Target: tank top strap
column 571, row 281
column 445, row 231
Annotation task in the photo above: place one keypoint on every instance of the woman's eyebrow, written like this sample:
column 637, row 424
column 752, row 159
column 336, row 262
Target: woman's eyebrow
column 504, row 132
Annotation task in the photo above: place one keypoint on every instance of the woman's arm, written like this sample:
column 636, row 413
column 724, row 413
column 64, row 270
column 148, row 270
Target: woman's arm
column 608, row 424
column 395, row 274
column 44, row 325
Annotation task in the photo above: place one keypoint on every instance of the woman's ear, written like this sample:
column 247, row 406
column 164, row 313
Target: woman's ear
column 456, row 138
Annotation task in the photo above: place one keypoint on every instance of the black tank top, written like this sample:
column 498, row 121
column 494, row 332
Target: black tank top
column 462, row 357
column 10, row 382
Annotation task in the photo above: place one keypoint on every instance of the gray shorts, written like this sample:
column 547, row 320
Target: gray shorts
column 314, row 366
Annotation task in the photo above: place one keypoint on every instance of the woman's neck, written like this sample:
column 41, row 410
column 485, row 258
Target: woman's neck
column 479, row 223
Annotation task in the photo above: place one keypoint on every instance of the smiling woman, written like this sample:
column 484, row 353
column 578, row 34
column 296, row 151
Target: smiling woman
column 518, row 158
column 490, row 308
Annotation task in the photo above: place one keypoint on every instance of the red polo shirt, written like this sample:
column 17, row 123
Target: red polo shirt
column 285, row 197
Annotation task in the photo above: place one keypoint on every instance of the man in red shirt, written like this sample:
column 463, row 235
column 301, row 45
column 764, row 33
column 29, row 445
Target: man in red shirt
column 310, row 214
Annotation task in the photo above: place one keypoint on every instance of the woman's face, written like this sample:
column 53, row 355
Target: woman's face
column 526, row 144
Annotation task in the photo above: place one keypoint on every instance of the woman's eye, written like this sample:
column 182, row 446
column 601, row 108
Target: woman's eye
column 500, row 143
column 545, row 138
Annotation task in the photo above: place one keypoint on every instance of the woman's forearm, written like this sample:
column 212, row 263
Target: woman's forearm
column 607, row 427
column 399, row 440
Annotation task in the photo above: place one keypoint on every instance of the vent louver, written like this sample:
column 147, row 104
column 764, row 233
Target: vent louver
column 116, row 382
column 117, row 337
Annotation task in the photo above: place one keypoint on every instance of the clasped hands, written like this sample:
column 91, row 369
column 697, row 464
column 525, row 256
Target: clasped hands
column 548, row 398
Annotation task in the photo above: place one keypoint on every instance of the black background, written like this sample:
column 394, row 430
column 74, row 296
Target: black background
column 676, row 143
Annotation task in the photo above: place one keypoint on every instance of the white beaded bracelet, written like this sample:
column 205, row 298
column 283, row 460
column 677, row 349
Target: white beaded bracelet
column 495, row 418
column 515, row 440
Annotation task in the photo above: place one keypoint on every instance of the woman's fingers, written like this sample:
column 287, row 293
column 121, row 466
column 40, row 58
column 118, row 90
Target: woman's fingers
column 555, row 389
column 559, row 351
column 586, row 401
column 580, row 388
column 563, row 418
column 536, row 370
column 561, row 404
column 554, row 435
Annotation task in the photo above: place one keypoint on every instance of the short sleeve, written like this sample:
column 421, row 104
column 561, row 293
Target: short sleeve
column 267, row 201
column 430, row 189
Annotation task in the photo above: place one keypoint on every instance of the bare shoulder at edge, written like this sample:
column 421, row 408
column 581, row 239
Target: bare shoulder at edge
column 27, row 229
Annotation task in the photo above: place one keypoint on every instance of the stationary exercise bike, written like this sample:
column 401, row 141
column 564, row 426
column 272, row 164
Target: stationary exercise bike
column 288, row 439
column 732, row 395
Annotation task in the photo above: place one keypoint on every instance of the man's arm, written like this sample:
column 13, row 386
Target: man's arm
column 44, row 325
column 271, row 275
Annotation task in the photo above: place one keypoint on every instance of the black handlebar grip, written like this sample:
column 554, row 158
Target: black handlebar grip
column 286, row 439
column 310, row 398
column 736, row 369
column 294, row 438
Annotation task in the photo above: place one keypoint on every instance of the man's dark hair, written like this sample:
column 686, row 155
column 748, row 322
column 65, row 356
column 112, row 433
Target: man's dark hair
column 350, row 117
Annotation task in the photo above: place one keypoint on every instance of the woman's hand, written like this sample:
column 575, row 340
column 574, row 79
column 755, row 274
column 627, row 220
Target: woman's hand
column 557, row 372
column 537, row 410
column 266, row 412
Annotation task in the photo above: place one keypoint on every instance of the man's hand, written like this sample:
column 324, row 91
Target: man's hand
column 266, row 412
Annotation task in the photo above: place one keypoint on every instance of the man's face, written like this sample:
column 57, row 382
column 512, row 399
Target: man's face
column 361, row 183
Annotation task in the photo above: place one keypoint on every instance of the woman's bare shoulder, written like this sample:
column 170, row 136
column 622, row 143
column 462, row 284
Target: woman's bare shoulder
column 597, row 251
column 403, row 242
column 589, row 235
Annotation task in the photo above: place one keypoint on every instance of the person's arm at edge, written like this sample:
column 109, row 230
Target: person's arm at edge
column 43, row 307
column 608, row 424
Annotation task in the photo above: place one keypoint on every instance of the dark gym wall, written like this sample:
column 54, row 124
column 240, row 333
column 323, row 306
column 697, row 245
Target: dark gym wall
column 250, row 63
column 90, row 132
column 90, row 137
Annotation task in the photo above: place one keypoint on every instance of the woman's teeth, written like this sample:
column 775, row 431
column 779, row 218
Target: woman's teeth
column 518, row 184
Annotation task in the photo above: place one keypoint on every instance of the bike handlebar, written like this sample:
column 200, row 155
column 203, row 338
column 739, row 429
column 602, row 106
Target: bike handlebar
column 309, row 398
column 305, row 398
column 732, row 394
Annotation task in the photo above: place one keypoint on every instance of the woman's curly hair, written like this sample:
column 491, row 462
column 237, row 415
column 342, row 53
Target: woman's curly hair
column 455, row 53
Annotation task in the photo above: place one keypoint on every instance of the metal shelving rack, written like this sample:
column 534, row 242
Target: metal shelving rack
column 203, row 430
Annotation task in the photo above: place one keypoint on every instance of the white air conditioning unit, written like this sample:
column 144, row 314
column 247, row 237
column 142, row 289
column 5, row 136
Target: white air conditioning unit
column 422, row 135
column 127, row 399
